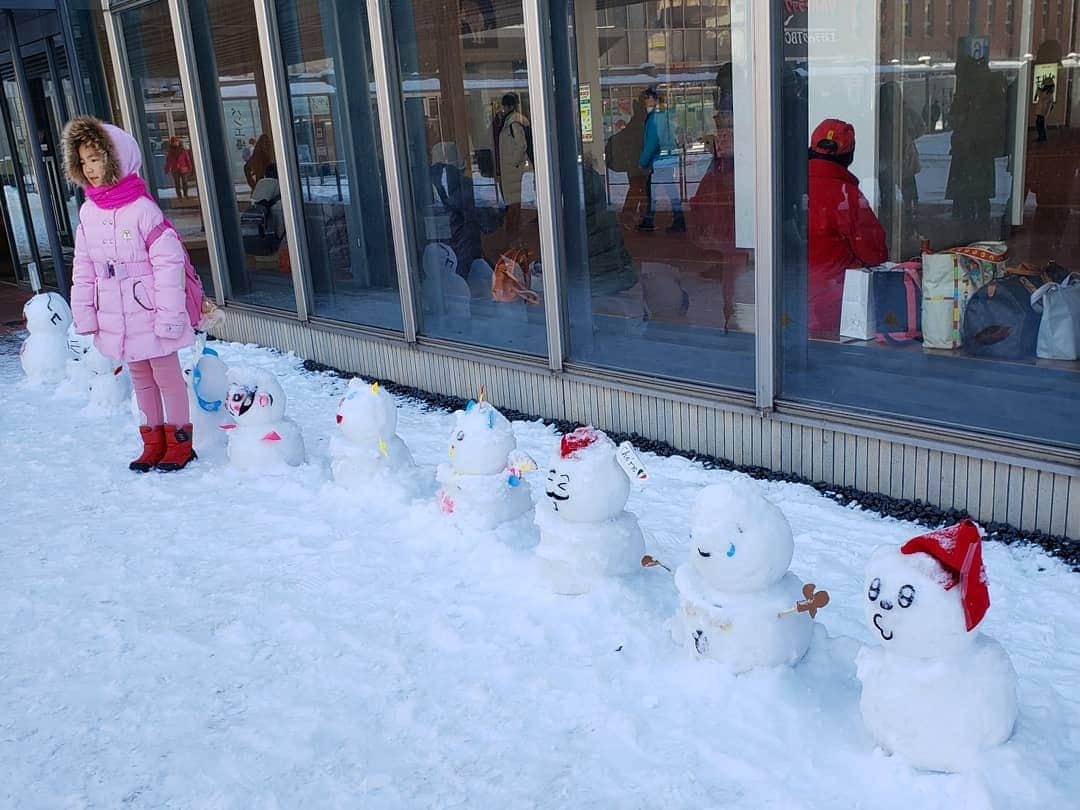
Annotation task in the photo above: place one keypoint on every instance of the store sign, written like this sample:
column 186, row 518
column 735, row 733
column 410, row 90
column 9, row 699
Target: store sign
column 320, row 105
column 976, row 48
column 585, row 106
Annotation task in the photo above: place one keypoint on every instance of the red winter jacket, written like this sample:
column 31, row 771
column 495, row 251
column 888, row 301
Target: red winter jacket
column 843, row 233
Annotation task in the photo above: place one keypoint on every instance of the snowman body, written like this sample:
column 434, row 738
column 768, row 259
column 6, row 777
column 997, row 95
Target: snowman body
column 934, row 693
column 737, row 583
column 207, row 379
column 45, row 352
column 366, row 451
column 260, row 435
column 586, row 534
column 483, row 484
column 110, row 386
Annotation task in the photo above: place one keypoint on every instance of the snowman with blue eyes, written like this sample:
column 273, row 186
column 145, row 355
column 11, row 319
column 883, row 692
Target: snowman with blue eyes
column 739, row 603
column 586, row 534
column 367, row 445
column 936, row 692
column 483, row 484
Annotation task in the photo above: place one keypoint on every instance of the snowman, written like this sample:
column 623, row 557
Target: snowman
column 110, row 386
column 207, row 379
column 78, row 373
column 367, row 445
column 738, row 602
column 45, row 351
column 260, row 434
column 483, row 484
column 936, row 691
column 585, row 532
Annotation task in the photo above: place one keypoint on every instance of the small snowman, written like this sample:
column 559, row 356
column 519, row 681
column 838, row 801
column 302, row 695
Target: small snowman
column 367, row 445
column 79, row 374
column 738, row 602
column 483, row 484
column 45, row 352
column 207, row 379
column 110, row 386
column 936, row 692
column 585, row 532
column 260, row 434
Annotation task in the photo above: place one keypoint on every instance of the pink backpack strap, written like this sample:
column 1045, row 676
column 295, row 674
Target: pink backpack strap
column 156, row 232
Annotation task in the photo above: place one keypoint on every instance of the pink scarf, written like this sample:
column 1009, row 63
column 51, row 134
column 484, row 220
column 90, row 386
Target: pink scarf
column 125, row 191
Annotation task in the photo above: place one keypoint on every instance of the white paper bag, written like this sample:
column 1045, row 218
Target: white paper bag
column 1059, row 329
column 857, row 307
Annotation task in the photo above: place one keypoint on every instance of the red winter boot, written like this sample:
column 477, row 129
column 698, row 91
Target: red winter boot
column 153, row 448
column 178, row 448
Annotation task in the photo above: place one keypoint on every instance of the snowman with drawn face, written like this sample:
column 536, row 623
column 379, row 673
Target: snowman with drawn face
column 738, row 602
column 483, row 482
column 260, row 434
column 45, row 352
column 936, row 692
column 586, row 534
column 366, row 446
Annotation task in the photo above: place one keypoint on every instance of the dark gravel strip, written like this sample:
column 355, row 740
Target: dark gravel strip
column 915, row 511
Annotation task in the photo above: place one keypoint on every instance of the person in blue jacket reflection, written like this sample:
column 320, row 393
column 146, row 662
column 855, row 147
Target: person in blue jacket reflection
column 660, row 159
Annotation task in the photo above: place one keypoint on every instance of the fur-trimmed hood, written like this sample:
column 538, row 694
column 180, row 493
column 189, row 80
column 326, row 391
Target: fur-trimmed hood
column 122, row 156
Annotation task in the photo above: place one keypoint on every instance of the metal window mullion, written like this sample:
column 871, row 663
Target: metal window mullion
column 193, row 108
column 292, row 201
column 1023, row 84
column 114, row 32
column 45, row 190
column 766, row 191
column 548, row 201
column 74, row 65
column 398, row 189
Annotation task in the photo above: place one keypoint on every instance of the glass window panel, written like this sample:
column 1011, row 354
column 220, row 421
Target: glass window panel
column 956, row 142
column 339, row 154
column 244, row 166
column 16, row 215
column 660, row 239
column 157, row 97
column 479, row 263
column 95, row 59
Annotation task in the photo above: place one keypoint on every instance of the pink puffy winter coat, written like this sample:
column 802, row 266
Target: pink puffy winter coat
column 131, row 299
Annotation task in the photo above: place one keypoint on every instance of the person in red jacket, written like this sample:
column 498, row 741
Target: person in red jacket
column 843, row 232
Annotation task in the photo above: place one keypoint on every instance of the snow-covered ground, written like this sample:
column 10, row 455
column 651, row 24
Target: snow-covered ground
column 219, row 639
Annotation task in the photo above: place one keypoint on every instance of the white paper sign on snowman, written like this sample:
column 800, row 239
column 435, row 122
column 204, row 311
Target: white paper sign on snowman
column 738, row 602
column 483, row 484
column 585, row 532
column 260, row 434
column 45, row 352
column 366, row 445
column 936, row 691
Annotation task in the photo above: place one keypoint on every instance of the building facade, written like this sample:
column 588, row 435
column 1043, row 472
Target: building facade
column 605, row 211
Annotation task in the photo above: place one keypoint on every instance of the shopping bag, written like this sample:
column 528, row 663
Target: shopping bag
column 1059, row 327
column 857, row 307
column 896, row 292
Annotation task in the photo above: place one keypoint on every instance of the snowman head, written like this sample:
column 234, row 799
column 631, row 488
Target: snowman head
column 207, row 379
column 481, row 441
column 739, row 541
column 47, row 312
column 585, row 483
column 924, row 599
column 367, row 413
column 99, row 363
column 254, row 397
column 78, row 344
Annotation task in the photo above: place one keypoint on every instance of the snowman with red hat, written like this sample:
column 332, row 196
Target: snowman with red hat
column 586, row 533
column 936, row 692
column 367, row 445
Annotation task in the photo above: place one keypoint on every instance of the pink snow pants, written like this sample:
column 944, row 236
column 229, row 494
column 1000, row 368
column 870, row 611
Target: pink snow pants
column 156, row 379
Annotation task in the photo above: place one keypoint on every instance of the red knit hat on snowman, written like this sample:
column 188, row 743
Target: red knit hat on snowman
column 958, row 549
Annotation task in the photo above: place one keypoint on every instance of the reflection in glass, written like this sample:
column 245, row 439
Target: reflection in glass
column 469, row 145
column 943, row 151
column 660, row 231
column 162, row 128
column 339, row 154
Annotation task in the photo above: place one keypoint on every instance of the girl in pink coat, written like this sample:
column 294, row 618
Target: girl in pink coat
column 129, row 296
